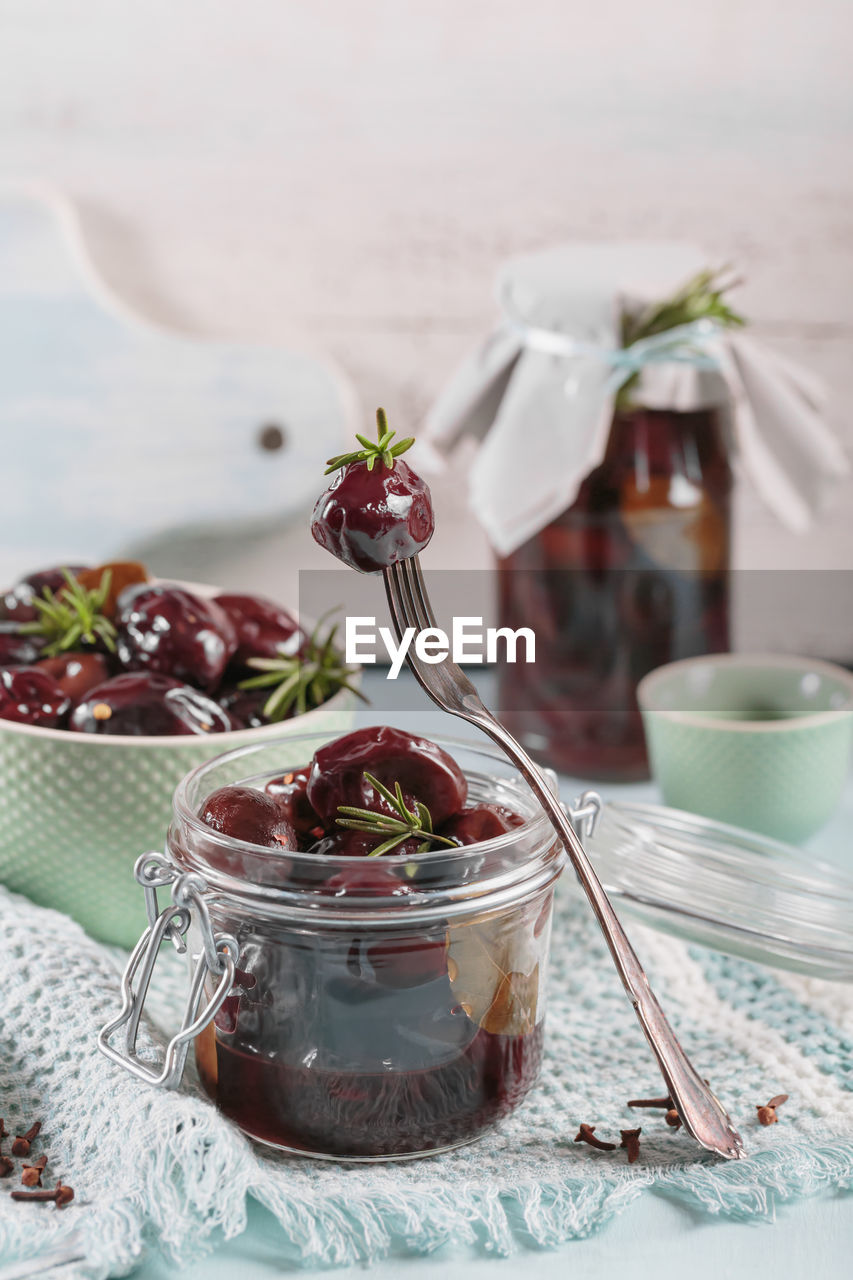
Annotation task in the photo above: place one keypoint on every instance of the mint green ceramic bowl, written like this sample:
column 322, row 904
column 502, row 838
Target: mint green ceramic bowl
column 76, row 810
column 757, row 740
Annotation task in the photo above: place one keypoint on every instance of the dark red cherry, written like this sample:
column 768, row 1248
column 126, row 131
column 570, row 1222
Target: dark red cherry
column 480, row 822
column 372, row 519
column 17, row 606
column 290, row 793
column 17, row 650
column 13, row 609
column 403, row 960
column 241, row 813
column 358, row 844
column 245, row 814
column 365, row 880
column 173, row 632
column 422, row 769
column 263, row 629
column 76, row 673
column 54, row 578
column 146, row 704
column 30, row 696
column 343, row 844
column 246, row 704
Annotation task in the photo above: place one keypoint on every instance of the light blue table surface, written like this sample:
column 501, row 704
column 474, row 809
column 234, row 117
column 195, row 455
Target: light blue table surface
column 655, row 1238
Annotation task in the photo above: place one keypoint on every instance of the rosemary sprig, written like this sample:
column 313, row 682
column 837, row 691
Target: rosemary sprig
column 407, row 825
column 373, row 450
column 73, row 616
column 701, row 298
column 304, row 680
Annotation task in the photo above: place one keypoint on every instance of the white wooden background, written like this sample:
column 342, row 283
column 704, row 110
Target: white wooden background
column 350, row 172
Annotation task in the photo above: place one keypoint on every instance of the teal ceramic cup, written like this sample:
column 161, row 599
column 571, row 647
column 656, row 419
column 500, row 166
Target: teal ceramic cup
column 757, row 740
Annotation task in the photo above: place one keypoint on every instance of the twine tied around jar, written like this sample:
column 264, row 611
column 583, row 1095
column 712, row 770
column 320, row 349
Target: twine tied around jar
column 692, row 344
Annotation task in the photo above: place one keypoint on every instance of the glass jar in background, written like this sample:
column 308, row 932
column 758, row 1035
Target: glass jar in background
column 381, row 1007
column 634, row 574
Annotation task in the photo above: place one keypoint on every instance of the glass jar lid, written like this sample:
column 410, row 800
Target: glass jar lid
column 725, row 887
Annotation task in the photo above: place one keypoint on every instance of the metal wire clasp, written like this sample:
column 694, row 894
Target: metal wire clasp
column 584, row 813
column 218, row 956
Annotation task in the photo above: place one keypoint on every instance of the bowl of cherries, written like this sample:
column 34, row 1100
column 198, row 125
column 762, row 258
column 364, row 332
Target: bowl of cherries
column 389, row 898
column 112, row 686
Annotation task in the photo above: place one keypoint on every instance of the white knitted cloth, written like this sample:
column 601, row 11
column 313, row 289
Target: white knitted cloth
column 153, row 1166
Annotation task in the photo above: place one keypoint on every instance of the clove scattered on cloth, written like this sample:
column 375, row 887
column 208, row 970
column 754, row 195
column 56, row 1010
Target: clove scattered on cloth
column 767, row 1113
column 23, row 1142
column 586, row 1133
column 60, row 1195
column 31, row 1174
column 631, row 1143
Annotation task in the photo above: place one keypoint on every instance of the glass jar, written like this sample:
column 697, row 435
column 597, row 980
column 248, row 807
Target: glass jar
column 380, row 1007
column 633, row 575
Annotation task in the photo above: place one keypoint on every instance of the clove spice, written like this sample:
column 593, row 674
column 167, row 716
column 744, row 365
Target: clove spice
column 631, row 1143
column 6, row 1166
column 586, row 1133
column 665, row 1104
column 60, row 1195
column 31, row 1174
column 673, row 1119
column 21, row 1145
column 767, row 1113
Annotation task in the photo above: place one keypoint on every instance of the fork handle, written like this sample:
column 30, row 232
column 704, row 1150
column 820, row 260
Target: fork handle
column 702, row 1114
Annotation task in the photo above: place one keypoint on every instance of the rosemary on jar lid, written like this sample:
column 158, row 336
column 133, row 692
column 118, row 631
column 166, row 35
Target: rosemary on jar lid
column 701, row 298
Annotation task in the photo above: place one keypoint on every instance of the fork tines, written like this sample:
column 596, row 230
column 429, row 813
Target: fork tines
column 407, row 598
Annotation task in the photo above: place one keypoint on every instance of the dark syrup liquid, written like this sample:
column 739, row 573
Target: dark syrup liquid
column 361, row 1114
column 633, row 575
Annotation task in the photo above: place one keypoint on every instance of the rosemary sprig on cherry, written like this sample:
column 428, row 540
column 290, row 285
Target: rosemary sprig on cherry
column 373, row 451
column 73, row 617
column 304, row 680
column 408, row 824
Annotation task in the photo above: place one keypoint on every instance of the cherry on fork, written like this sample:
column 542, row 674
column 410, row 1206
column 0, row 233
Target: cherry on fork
column 377, row 510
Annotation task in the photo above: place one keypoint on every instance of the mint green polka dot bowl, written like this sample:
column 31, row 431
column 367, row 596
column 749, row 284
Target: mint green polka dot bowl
column 761, row 741
column 76, row 809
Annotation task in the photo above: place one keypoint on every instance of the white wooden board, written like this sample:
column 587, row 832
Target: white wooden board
column 117, row 436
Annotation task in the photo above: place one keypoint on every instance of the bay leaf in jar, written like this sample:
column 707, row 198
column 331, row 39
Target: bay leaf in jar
column 493, row 966
column 476, row 963
column 513, row 1010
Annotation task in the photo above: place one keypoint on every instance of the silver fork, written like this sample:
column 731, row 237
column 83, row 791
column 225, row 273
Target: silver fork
column 702, row 1114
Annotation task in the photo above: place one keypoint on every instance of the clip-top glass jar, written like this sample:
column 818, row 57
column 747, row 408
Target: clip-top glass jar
column 380, row 1007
